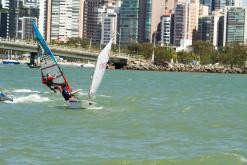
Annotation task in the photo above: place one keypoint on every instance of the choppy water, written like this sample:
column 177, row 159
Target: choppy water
column 151, row 118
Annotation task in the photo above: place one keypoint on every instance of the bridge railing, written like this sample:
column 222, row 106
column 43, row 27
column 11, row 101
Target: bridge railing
column 66, row 48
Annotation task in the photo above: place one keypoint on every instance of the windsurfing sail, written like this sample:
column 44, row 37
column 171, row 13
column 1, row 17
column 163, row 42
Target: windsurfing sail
column 100, row 69
column 49, row 64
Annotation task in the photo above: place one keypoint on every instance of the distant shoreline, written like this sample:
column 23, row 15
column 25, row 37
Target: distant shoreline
column 178, row 67
column 61, row 63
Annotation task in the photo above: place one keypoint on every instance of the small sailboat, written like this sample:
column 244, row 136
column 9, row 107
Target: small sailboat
column 98, row 75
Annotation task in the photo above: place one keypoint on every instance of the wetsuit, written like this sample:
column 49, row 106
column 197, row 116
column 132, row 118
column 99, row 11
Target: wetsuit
column 66, row 94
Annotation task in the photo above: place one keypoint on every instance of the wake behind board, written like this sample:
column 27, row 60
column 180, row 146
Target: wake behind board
column 81, row 104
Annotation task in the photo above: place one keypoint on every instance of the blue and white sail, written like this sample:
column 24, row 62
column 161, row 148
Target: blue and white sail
column 49, row 64
column 100, row 68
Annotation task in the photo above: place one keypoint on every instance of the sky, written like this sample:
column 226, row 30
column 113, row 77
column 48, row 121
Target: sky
column 245, row 2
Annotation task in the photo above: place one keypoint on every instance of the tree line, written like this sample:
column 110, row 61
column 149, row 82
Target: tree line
column 234, row 54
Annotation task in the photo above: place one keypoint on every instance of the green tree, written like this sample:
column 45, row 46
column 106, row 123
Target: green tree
column 205, row 51
column 233, row 54
column 186, row 57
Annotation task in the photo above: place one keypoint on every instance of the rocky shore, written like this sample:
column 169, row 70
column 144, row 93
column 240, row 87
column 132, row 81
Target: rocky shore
column 178, row 67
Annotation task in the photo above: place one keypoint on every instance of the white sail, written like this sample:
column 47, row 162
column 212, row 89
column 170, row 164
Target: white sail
column 152, row 59
column 100, row 69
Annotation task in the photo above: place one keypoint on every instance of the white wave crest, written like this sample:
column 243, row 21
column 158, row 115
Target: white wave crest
column 95, row 108
column 105, row 96
column 242, row 158
column 33, row 98
column 25, row 91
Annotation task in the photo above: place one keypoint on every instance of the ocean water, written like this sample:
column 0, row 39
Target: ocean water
column 150, row 118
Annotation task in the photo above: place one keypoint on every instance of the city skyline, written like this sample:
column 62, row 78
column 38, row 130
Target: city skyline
column 125, row 21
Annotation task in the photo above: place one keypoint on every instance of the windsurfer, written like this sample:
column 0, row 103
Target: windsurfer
column 49, row 82
column 66, row 93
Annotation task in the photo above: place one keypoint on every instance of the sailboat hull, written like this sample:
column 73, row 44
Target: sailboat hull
column 81, row 104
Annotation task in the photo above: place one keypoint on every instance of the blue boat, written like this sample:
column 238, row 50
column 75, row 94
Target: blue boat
column 10, row 62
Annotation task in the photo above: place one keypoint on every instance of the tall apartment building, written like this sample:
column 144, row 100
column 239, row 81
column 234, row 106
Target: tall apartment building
column 17, row 13
column 90, row 22
column 235, row 25
column 25, row 12
column 10, row 4
column 26, row 27
column 221, row 4
column 42, row 19
column 204, row 28
column 64, row 19
column 216, row 30
column 3, row 21
column 129, row 21
column 210, row 28
column 109, row 26
column 185, row 22
column 150, row 12
column 100, row 20
column 167, row 28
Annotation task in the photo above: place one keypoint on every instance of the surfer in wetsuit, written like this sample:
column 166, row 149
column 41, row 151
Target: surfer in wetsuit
column 66, row 93
column 49, row 82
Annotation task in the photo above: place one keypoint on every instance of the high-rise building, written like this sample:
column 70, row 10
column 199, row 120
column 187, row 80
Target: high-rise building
column 150, row 12
column 221, row 4
column 145, row 14
column 109, row 26
column 26, row 29
column 91, row 27
column 42, row 23
column 64, row 19
column 25, row 12
column 3, row 22
column 216, row 32
column 12, row 32
column 186, row 22
column 100, row 17
column 210, row 28
column 204, row 28
column 235, row 25
column 129, row 21
column 166, row 28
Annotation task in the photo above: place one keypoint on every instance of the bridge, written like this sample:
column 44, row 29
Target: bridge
column 115, row 59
